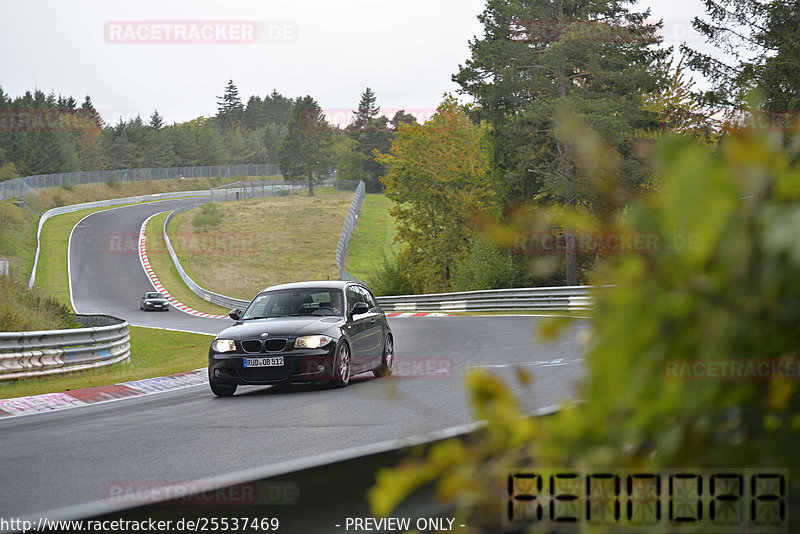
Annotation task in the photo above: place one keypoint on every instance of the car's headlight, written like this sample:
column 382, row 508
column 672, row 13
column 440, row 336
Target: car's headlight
column 312, row 342
column 223, row 345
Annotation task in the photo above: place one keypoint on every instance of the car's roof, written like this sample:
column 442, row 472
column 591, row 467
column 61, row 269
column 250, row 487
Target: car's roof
column 314, row 284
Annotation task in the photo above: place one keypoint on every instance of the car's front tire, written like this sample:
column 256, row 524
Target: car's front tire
column 341, row 366
column 387, row 360
column 222, row 390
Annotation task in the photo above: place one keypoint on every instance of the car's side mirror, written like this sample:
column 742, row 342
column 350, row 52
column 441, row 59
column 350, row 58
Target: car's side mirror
column 359, row 308
column 235, row 314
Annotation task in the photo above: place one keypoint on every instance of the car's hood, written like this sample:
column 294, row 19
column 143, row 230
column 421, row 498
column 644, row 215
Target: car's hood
column 280, row 326
column 156, row 299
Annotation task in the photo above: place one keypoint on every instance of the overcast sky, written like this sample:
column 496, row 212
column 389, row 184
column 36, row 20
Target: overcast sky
column 406, row 51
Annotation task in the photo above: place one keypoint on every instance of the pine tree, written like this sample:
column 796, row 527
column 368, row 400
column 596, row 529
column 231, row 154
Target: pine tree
column 156, row 121
column 229, row 111
column 371, row 132
column 537, row 60
column 401, row 117
column 759, row 41
column 306, row 149
column 88, row 110
column 277, row 109
column 366, row 113
column 253, row 115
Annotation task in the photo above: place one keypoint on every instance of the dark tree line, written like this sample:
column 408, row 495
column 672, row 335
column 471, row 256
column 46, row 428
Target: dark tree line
column 42, row 134
column 313, row 149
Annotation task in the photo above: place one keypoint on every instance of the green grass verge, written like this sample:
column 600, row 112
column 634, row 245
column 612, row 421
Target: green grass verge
column 17, row 239
column 51, row 273
column 373, row 237
column 166, row 272
column 262, row 242
column 153, row 353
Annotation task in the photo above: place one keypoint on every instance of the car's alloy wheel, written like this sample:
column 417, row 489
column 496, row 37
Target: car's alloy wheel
column 341, row 366
column 222, row 390
column 387, row 361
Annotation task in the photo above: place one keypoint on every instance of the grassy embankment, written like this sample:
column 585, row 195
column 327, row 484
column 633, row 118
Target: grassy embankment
column 260, row 242
column 165, row 269
column 214, row 239
column 373, row 238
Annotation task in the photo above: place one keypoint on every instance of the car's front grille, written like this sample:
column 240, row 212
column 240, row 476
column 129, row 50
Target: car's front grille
column 255, row 346
column 252, row 346
column 275, row 345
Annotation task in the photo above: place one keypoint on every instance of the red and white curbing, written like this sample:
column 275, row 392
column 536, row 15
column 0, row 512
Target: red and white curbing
column 83, row 397
column 157, row 283
column 420, row 314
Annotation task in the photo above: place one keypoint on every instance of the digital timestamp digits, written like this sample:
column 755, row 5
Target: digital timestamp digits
column 656, row 500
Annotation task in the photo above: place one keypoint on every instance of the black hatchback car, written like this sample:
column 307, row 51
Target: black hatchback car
column 153, row 300
column 302, row 332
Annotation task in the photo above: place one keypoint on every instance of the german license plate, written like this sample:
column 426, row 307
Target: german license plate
column 274, row 361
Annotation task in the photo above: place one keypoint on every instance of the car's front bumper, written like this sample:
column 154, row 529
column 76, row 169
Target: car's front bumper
column 164, row 306
column 299, row 365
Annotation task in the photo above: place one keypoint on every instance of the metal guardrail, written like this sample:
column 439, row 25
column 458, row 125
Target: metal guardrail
column 103, row 340
column 347, row 231
column 243, row 190
column 100, row 204
column 570, row 298
column 230, row 302
column 16, row 187
column 205, row 294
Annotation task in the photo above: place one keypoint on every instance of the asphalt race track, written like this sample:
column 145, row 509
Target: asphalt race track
column 106, row 275
column 69, row 457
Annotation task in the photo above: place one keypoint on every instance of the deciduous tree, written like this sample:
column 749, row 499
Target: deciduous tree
column 438, row 178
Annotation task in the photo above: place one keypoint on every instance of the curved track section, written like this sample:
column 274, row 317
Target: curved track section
column 106, row 274
column 71, row 457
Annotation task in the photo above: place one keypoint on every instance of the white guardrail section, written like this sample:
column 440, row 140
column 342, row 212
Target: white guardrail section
column 568, row 298
column 104, row 340
column 347, row 230
column 101, row 204
column 210, row 296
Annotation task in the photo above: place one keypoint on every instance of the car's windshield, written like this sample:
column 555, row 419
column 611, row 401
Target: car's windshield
column 153, row 296
column 295, row 302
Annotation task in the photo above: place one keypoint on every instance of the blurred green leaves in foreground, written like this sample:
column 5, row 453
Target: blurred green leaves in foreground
column 725, row 287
